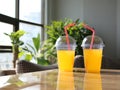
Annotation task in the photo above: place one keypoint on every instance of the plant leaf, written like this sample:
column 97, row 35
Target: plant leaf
column 36, row 42
column 34, row 51
column 28, row 56
column 42, row 61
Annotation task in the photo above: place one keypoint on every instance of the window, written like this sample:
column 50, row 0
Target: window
column 27, row 15
column 7, row 7
column 5, row 28
column 32, row 11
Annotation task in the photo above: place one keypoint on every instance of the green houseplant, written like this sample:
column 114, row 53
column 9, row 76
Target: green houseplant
column 16, row 42
column 78, row 32
column 35, row 51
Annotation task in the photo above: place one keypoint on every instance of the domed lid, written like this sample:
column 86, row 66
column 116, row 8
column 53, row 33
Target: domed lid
column 62, row 42
column 97, row 43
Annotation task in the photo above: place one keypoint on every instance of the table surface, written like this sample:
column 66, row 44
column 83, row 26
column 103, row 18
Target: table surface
column 54, row 80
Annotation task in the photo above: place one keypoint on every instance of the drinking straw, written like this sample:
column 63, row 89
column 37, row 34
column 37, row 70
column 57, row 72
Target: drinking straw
column 93, row 34
column 66, row 33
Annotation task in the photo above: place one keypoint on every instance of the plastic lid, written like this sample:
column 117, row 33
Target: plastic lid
column 61, row 43
column 98, row 42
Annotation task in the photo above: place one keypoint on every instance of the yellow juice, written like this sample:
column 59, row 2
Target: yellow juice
column 92, row 60
column 65, row 60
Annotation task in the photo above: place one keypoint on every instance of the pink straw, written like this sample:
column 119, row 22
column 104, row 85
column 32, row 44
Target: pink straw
column 66, row 33
column 93, row 35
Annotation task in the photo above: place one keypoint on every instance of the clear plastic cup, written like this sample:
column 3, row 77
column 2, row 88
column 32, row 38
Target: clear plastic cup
column 92, row 57
column 65, row 53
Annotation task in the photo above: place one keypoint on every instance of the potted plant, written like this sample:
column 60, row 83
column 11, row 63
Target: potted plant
column 35, row 51
column 16, row 42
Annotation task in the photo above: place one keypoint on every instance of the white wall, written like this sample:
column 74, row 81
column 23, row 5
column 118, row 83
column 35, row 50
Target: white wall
column 103, row 15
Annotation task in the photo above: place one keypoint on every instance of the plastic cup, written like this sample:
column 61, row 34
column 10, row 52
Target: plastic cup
column 92, row 57
column 65, row 55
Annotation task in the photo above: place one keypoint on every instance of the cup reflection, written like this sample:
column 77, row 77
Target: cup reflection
column 65, row 81
column 92, row 81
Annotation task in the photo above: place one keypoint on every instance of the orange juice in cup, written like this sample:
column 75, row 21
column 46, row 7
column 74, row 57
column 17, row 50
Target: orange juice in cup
column 65, row 53
column 92, row 56
column 92, row 59
column 66, row 59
